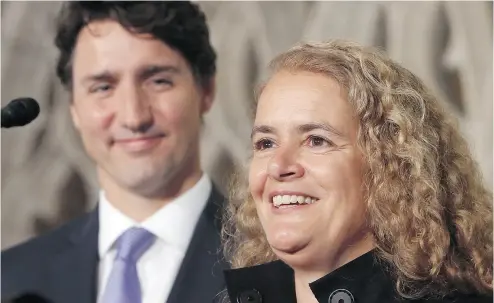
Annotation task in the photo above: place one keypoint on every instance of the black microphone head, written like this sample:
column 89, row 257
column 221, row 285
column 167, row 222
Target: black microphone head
column 20, row 112
column 26, row 298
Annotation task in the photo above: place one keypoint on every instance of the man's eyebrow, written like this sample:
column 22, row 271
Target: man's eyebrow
column 105, row 75
column 151, row 70
column 262, row 129
column 143, row 73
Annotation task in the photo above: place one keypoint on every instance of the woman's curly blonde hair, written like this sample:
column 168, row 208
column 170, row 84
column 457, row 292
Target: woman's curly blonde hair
column 428, row 208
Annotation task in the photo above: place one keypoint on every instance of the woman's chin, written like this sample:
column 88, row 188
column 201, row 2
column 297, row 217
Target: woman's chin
column 289, row 242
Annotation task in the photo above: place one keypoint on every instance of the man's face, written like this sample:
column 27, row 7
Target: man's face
column 137, row 107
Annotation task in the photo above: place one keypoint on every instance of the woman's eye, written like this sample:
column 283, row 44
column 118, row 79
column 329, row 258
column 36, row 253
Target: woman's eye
column 263, row 144
column 316, row 141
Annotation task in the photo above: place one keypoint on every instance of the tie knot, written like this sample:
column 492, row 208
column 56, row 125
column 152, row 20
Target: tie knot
column 133, row 243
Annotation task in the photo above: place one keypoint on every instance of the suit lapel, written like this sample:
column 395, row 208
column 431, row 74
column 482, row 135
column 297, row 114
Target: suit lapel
column 74, row 269
column 73, row 272
column 200, row 277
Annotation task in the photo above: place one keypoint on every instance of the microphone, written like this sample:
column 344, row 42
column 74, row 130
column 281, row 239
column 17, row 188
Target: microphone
column 26, row 298
column 19, row 112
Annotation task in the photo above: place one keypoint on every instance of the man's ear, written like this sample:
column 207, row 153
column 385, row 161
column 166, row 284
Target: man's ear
column 75, row 116
column 209, row 92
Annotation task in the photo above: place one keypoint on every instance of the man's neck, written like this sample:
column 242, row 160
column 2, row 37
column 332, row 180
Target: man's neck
column 139, row 207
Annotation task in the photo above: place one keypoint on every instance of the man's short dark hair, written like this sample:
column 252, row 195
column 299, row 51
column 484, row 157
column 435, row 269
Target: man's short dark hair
column 180, row 25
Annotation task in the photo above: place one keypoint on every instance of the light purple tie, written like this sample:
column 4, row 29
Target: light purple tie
column 123, row 284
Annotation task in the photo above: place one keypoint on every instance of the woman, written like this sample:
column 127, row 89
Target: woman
column 361, row 189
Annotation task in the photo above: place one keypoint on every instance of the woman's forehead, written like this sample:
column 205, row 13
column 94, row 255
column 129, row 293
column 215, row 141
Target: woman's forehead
column 303, row 97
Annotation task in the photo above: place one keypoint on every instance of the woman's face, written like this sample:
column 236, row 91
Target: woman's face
column 306, row 171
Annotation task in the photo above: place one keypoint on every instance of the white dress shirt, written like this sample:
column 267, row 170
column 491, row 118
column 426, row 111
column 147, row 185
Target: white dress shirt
column 173, row 226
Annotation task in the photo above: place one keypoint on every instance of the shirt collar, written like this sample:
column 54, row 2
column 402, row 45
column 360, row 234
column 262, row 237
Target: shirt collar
column 174, row 223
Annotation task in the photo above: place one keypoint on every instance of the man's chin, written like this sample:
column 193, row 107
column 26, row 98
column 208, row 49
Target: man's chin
column 142, row 184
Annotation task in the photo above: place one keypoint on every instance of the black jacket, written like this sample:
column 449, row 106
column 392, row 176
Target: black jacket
column 360, row 281
column 61, row 266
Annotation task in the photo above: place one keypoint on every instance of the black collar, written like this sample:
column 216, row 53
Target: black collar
column 270, row 282
column 361, row 280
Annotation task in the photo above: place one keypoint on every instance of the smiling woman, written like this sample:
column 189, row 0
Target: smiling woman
column 360, row 189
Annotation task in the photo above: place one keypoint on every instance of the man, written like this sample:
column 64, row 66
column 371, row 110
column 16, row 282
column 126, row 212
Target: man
column 140, row 76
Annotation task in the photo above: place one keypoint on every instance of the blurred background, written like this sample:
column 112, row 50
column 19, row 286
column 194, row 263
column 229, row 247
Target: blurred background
column 47, row 179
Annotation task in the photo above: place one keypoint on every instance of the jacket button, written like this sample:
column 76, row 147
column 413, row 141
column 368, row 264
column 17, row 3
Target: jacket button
column 249, row 296
column 341, row 296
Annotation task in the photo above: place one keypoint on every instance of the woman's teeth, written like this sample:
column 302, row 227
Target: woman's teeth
column 292, row 199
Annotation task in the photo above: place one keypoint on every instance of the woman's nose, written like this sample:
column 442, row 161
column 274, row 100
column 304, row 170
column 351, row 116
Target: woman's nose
column 285, row 166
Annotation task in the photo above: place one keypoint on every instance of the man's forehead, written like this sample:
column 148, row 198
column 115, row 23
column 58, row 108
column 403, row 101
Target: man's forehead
column 109, row 33
column 123, row 50
column 100, row 28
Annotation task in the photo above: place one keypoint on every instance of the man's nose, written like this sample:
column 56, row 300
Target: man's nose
column 135, row 110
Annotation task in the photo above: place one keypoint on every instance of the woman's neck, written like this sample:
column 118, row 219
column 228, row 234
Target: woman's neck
column 302, row 289
column 305, row 276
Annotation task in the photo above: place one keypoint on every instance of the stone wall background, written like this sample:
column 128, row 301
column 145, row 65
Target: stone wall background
column 47, row 178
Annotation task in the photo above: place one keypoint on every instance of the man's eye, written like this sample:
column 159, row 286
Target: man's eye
column 162, row 82
column 100, row 88
column 263, row 144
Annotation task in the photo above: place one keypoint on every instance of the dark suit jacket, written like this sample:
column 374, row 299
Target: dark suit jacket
column 61, row 266
column 360, row 281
